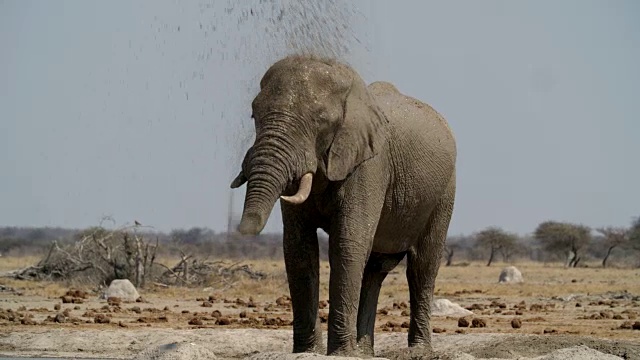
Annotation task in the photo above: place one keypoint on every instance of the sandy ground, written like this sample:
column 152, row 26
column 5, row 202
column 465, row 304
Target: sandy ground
column 241, row 343
column 557, row 320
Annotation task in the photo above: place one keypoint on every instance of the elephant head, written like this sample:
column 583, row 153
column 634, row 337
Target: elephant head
column 310, row 115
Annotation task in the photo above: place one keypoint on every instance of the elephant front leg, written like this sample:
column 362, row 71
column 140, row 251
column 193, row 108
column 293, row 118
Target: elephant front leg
column 347, row 258
column 301, row 257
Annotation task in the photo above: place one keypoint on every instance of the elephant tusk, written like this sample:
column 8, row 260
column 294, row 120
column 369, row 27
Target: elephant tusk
column 303, row 191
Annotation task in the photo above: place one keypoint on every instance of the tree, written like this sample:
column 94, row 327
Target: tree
column 612, row 237
column 634, row 234
column 495, row 239
column 563, row 237
column 450, row 248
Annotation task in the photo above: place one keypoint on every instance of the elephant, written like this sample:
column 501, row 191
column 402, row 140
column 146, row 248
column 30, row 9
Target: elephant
column 374, row 169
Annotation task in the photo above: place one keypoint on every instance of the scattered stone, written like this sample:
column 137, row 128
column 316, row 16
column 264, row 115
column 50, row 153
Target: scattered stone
column 60, row 318
column 283, row 301
column 510, row 275
column 28, row 321
column 101, row 319
column 324, row 317
column 516, row 323
column 536, row 307
column 463, row 322
column 383, row 311
column 478, row 323
column 475, row 307
column 196, row 321
column 438, row 330
column 444, row 307
column 626, row 325
column 114, row 301
column 223, row 321
column 123, row 289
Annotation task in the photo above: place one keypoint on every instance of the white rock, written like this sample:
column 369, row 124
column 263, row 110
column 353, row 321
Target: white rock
column 177, row 351
column 444, row 307
column 510, row 275
column 123, row 289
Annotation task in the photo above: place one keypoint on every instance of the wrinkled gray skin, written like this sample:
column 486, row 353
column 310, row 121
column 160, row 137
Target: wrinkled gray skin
column 383, row 187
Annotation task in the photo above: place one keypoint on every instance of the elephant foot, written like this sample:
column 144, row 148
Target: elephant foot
column 420, row 352
column 365, row 347
column 311, row 344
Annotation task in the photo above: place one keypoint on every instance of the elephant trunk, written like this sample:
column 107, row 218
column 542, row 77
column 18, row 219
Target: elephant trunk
column 274, row 164
column 263, row 190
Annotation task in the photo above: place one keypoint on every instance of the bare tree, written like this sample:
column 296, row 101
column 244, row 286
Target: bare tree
column 613, row 237
column 563, row 237
column 450, row 248
column 495, row 239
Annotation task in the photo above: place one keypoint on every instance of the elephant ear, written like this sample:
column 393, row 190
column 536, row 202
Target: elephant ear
column 361, row 135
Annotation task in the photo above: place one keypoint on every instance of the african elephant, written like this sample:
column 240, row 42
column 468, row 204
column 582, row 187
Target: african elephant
column 373, row 168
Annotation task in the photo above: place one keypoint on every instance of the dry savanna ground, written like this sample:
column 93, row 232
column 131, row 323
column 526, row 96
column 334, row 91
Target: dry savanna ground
column 589, row 301
column 553, row 300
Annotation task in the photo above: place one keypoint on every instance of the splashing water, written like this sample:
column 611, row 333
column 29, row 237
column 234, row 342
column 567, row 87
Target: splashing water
column 250, row 36
column 232, row 44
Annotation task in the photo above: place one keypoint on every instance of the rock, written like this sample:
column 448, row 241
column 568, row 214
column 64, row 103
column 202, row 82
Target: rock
column 60, row 319
column 516, row 323
column 510, row 275
column 444, row 307
column 478, row 323
column 101, row 319
column 123, row 289
column 463, row 322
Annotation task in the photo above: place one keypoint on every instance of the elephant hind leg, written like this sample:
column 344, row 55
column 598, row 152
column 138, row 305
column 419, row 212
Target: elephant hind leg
column 376, row 270
column 423, row 263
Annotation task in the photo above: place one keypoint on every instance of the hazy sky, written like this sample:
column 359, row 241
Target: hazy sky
column 140, row 109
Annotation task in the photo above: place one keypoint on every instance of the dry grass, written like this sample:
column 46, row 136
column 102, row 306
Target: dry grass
column 8, row 263
column 541, row 280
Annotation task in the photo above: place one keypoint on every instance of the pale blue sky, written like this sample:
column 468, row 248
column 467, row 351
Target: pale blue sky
column 106, row 108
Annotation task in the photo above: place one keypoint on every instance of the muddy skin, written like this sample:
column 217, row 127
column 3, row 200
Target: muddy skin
column 383, row 187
